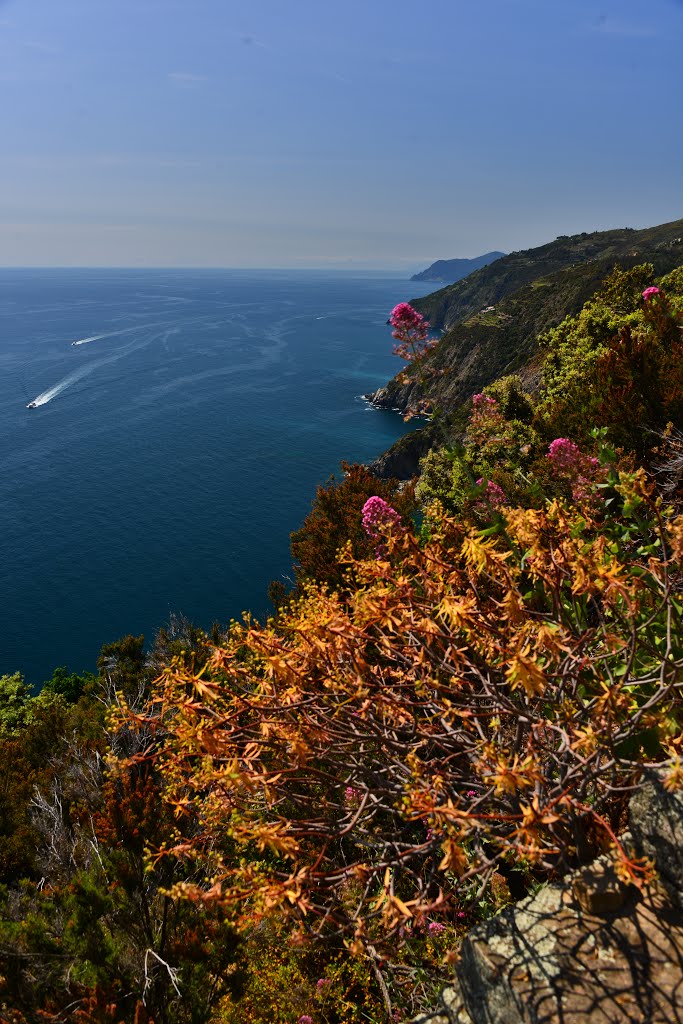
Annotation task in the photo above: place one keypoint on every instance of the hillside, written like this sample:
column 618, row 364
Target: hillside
column 487, row 286
column 450, row 271
column 494, row 318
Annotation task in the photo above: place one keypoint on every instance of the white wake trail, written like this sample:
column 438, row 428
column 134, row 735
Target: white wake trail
column 93, row 337
column 56, row 389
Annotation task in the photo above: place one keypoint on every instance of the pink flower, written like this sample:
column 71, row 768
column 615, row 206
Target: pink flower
column 483, row 402
column 486, row 420
column 411, row 332
column 404, row 317
column 563, row 453
column 435, row 928
column 650, row 293
column 580, row 471
column 493, row 494
column 471, row 793
column 322, row 983
column 351, row 795
column 378, row 517
column 305, row 1019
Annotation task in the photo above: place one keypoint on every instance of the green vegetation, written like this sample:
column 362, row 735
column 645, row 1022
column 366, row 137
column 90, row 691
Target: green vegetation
column 531, row 292
column 298, row 820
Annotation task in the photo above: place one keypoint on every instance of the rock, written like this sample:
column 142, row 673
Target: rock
column 451, row 1009
column 598, row 889
column 657, row 826
column 402, row 461
column 548, row 961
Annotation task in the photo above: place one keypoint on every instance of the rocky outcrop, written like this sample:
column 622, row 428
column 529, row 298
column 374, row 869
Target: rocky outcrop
column 402, row 460
column 657, row 827
column 591, row 949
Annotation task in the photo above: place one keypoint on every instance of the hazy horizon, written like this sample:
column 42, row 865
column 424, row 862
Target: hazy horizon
column 155, row 133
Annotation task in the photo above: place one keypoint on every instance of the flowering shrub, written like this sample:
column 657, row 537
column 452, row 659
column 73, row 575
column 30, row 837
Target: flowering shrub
column 618, row 365
column 335, row 521
column 497, row 446
column 502, row 691
column 411, row 331
column 381, row 764
column 582, row 472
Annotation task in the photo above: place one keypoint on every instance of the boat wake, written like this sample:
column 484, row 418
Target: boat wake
column 86, row 341
column 62, row 385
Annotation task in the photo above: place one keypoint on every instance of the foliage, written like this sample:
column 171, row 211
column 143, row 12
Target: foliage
column 70, row 686
column 494, row 316
column 434, row 723
column 498, row 447
column 289, row 977
column 335, row 521
column 475, row 704
column 618, row 364
column 87, row 931
column 14, row 706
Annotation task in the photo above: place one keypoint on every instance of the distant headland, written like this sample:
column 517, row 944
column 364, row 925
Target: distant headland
column 450, row 271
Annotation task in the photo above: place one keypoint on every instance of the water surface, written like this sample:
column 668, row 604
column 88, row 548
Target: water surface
column 183, row 420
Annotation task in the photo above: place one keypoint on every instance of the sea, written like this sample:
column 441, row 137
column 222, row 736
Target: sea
column 181, row 422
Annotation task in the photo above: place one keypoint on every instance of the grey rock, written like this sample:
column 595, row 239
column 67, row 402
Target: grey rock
column 548, row 961
column 656, row 817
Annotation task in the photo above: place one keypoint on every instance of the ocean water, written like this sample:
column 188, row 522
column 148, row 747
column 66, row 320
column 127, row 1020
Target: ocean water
column 183, row 420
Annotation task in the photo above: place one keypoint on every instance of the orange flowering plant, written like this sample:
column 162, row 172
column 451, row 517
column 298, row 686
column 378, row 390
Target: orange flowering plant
column 475, row 703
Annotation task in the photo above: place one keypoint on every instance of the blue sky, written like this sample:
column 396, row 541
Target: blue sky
column 369, row 132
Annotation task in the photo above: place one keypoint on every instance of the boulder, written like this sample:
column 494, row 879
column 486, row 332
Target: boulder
column 656, row 817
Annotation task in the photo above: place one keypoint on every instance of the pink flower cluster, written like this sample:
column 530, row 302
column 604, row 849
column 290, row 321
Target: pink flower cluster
column 404, row 318
column 650, row 293
column 483, row 403
column 378, row 515
column 569, row 463
column 493, row 495
column 305, row 1019
column 411, row 332
column 435, row 928
column 486, row 420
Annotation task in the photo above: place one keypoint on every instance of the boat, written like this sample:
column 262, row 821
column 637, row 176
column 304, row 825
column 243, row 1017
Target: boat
column 32, row 405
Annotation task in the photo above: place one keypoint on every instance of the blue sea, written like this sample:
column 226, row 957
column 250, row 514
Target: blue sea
column 183, row 420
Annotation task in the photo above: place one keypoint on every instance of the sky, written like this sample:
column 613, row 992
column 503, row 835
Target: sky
column 311, row 133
